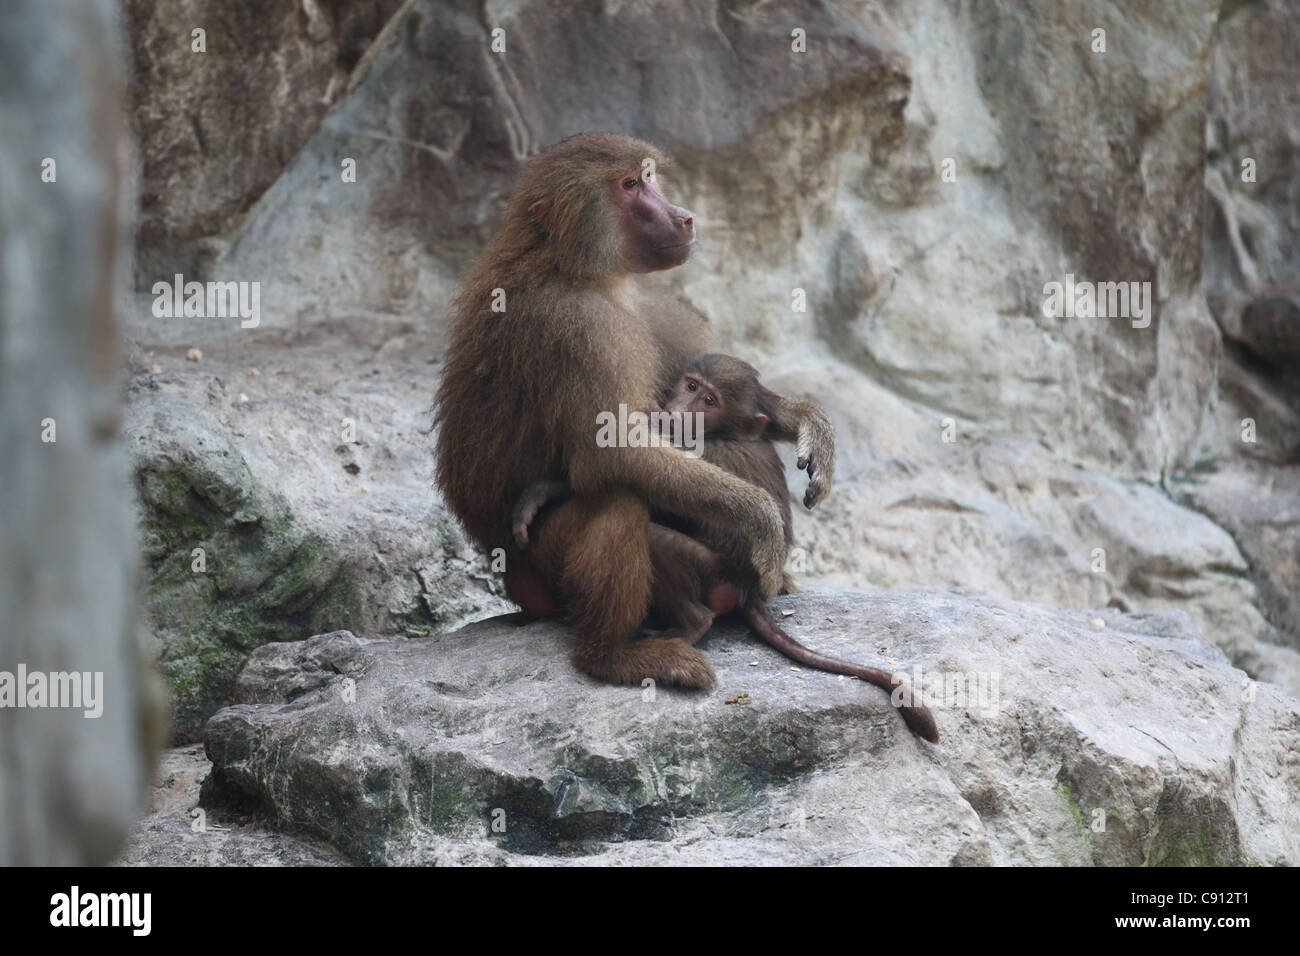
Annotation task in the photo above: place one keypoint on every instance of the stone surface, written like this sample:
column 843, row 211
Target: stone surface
column 1259, row 504
column 217, row 126
column 299, row 529
column 1252, row 284
column 1253, row 223
column 820, row 173
column 177, row 832
column 407, row 752
column 999, row 512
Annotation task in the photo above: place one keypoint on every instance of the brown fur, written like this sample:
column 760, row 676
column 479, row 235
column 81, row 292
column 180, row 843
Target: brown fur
column 698, row 559
column 733, row 406
column 521, row 391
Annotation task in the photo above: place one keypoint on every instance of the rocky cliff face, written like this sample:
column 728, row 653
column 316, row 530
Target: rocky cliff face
column 915, row 178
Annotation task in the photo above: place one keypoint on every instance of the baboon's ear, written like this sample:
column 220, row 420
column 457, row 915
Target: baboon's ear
column 541, row 213
column 757, row 424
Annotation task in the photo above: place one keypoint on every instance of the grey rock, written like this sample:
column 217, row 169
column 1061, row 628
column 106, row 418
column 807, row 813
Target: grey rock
column 412, row 751
column 215, row 128
column 1253, row 228
column 299, row 529
column 999, row 512
column 177, row 832
column 1251, row 271
column 1270, row 327
column 1259, row 503
column 820, row 172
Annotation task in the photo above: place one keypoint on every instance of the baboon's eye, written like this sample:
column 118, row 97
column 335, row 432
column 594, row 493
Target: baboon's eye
column 630, row 183
column 708, row 400
column 691, row 386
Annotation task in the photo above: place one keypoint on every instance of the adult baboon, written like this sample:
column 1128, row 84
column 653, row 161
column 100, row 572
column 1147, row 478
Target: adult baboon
column 578, row 336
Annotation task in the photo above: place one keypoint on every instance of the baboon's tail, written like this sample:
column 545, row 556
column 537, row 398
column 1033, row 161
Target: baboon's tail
column 914, row 713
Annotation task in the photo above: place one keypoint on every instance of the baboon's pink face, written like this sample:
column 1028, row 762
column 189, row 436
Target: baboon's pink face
column 695, row 394
column 723, row 410
column 656, row 234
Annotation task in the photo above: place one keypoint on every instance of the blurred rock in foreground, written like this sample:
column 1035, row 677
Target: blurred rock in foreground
column 70, row 784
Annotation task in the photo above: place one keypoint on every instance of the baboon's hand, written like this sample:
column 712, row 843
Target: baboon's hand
column 531, row 500
column 815, row 449
column 767, row 545
column 521, row 533
column 524, row 513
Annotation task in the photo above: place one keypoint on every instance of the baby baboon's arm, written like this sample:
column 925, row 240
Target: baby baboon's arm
column 809, row 427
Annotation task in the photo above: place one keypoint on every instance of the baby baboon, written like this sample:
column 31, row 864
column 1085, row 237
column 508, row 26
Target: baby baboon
column 711, row 571
column 551, row 330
